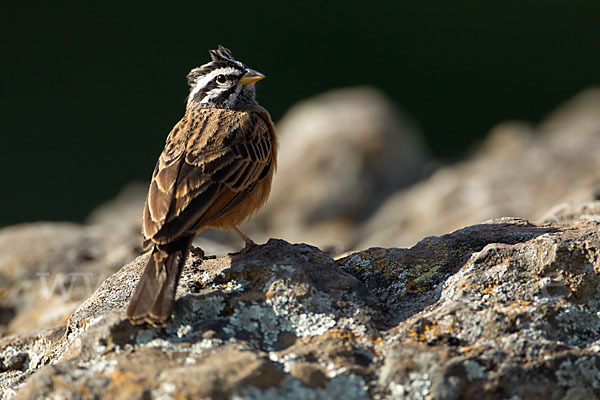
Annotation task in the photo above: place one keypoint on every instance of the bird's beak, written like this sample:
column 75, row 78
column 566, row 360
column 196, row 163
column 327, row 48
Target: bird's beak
column 251, row 76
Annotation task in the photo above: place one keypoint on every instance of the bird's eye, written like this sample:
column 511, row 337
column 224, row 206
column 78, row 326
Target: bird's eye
column 221, row 79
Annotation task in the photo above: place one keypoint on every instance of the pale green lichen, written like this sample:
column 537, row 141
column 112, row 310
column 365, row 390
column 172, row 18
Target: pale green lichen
column 309, row 324
column 283, row 313
column 350, row 324
column 417, row 388
column 474, row 370
column 205, row 278
column 347, row 387
column 255, row 319
column 578, row 319
column 357, row 261
column 272, row 321
column 183, row 347
column 184, row 330
column 581, row 373
column 144, row 336
column 422, row 273
column 208, row 307
column 287, row 268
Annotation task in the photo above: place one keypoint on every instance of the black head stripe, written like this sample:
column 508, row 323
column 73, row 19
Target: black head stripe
column 224, row 96
column 214, row 84
column 231, row 77
column 206, row 69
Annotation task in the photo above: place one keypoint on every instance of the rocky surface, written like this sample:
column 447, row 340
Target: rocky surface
column 519, row 170
column 48, row 269
column 499, row 310
column 504, row 309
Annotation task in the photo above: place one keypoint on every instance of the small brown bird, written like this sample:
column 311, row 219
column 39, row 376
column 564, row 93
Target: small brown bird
column 214, row 172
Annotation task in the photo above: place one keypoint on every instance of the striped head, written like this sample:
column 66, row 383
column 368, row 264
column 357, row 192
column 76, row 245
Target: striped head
column 222, row 83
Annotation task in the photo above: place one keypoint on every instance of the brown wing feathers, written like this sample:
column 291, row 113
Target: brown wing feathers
column 208, row 166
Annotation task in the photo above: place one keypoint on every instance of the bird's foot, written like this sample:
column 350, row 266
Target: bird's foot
column 249, row 242
column 249, row 246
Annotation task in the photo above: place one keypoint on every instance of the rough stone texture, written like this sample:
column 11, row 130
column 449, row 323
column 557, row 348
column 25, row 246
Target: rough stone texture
column 235, row 319
column 341, row 153
column 571, row 211
column 504, row 309
column 47, row 269
column 500, row 310
column 520, row 170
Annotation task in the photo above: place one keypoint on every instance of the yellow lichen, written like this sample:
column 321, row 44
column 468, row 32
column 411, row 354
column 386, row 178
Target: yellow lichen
column 430, row 330
column 342, row 334
column 119, row 377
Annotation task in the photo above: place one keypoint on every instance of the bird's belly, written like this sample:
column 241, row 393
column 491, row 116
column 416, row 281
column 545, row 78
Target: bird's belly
column 252, row 203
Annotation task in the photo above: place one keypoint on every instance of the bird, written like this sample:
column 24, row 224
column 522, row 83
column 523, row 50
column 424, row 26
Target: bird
column 215, row 171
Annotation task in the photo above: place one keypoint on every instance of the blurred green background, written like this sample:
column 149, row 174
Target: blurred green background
column 89, row 93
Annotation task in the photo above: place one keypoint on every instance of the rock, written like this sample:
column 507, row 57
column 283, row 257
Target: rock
column 503, row 309
column 16, row 361
column 520, row 170
column 47, row 269
column 124, row 210
column 572, row 211
column 341, row 153
column 274, row 296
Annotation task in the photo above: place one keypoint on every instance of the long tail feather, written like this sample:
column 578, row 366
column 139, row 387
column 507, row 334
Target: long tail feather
column 154, row 296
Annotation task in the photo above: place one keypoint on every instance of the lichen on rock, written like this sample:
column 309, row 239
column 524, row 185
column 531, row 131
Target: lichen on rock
column 506, row 308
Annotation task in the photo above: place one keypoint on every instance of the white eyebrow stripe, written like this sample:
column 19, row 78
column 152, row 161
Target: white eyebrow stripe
column 212, row 94
column 200, row 83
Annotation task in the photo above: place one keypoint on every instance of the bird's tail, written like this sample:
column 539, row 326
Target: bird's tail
column 154, row 296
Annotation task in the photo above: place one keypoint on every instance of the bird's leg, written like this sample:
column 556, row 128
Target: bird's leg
column 249, row 242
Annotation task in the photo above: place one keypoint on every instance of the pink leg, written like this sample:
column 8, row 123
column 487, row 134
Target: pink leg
column 249, row 242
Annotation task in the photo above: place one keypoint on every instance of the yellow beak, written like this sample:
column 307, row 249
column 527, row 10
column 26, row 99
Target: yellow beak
column 251, row 76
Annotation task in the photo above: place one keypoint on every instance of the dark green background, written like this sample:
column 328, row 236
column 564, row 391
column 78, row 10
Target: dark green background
column 88, row 93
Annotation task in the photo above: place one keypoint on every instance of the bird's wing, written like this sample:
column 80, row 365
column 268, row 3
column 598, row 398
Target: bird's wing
column 164, row 179
column 210, row 163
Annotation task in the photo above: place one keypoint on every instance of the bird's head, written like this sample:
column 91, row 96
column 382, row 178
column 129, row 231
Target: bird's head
column 224, row 82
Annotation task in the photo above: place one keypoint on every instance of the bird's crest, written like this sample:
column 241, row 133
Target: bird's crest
column 222, row 54
column 219, row 56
